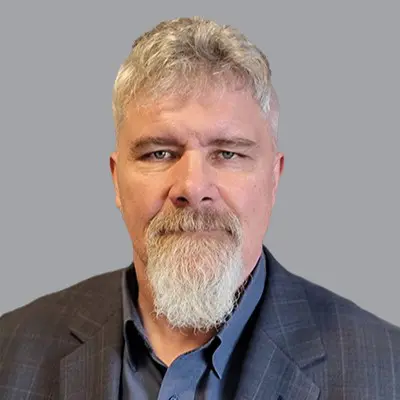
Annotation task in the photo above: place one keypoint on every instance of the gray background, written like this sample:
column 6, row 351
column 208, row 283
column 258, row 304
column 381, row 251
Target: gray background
column 336, row 69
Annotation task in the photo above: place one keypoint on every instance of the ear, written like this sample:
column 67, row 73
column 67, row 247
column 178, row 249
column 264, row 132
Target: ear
column 114, row 175
column 277, row 173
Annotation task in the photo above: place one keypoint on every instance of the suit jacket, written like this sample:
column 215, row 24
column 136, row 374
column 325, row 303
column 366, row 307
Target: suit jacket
column 307, row 343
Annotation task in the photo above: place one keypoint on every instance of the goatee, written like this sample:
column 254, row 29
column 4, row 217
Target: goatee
column 194, row 266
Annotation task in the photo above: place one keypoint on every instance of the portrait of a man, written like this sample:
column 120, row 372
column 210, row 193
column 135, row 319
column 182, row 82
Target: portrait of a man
column 204, row 310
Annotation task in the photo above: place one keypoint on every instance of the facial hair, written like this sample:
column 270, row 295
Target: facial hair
column 194, row 266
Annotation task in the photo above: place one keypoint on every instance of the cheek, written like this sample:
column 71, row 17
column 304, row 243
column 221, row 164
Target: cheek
column 250, row 199
column 141, row 200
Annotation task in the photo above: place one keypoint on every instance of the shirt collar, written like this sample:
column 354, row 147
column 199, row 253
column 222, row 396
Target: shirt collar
column 129, row 301
column 228, row 335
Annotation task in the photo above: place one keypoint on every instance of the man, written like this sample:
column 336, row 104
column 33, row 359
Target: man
column 204, row 311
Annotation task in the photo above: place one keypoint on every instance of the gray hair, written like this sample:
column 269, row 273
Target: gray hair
column 184, row 57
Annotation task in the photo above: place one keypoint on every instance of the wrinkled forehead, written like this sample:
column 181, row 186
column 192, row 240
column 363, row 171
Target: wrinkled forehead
column 215, row 111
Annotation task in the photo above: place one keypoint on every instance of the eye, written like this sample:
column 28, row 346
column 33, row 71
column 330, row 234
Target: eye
column 228, row 155
column 158, row 155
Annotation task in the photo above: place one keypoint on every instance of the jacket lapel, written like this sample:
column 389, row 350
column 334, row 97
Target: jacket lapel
column 92, row 370
column 284, row 342
column 269, row 374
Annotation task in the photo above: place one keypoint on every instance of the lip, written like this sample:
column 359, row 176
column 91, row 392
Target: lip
column 200, row 232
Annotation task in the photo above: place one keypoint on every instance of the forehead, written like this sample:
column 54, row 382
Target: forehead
column 227, row 113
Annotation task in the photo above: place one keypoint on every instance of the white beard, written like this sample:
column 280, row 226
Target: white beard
column 194, row 278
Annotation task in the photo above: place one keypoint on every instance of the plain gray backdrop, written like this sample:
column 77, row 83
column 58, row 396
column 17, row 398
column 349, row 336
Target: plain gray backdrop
column 336, row 69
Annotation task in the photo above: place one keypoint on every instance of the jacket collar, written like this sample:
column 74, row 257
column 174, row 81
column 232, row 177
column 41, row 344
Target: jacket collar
column 284, row 342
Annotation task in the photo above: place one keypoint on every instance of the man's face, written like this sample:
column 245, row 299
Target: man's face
column 213, row 154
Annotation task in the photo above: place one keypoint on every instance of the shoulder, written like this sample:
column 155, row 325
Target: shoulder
column 48, row 317
column 361, row 349
column 339, row 320
column 35, row 337
column 352, row 324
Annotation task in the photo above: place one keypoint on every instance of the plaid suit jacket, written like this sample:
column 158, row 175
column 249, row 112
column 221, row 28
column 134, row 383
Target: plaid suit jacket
column 307, row 344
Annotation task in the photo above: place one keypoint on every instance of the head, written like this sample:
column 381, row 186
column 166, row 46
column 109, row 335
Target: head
column 196, row 165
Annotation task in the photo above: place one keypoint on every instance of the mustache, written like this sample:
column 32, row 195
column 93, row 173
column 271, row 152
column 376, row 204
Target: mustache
column 194, row 220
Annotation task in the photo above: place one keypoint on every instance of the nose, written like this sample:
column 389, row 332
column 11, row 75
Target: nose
column 192, row 182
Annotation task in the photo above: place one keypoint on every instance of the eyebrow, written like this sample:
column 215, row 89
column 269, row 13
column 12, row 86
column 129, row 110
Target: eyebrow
column 138, row 145
column 235, row 142
column 141, row 144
